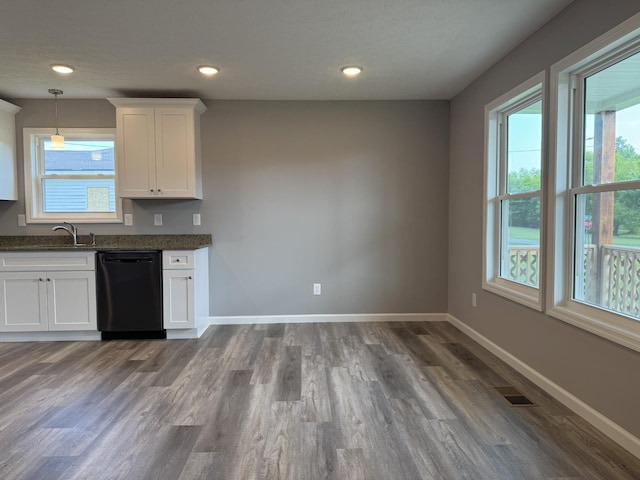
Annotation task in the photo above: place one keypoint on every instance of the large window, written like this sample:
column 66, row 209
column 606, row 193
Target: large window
column 513, row 165
column 76, row 183
column 596, row 215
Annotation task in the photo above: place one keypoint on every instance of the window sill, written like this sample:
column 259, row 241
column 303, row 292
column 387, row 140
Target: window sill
column 72, row 219
column 527, row 296
column 616, row 328
column 75, row 217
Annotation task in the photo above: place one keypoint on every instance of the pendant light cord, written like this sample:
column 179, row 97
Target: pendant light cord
column 56, row 101
column 55, row 92
column 57, row 140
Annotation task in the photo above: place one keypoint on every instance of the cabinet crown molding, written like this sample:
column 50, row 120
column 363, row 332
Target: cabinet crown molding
column 11, row 108
column 194, row 103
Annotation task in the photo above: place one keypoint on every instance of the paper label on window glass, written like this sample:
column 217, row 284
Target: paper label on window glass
column 98, row 199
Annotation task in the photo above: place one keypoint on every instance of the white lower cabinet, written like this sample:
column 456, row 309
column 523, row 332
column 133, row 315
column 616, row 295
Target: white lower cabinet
column 44, row 292
column 71, row 301
column 23, row 302
column 185, row 284
column 47, row 292
column 178, row 298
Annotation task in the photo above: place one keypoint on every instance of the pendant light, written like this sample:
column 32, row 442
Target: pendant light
column 57, row 140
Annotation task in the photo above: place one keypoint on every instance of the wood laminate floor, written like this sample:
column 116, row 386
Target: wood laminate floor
column 388, row 401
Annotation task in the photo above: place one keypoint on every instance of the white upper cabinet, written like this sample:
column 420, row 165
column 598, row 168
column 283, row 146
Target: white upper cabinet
column 8, row 168
column 158, row 147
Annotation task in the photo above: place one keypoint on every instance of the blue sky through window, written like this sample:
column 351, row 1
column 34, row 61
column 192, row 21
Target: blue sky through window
column 525, row 132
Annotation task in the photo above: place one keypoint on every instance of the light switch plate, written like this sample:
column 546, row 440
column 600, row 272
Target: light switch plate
column 157, row 219
column 196, row 219
column 128, row 219
column 22, row 220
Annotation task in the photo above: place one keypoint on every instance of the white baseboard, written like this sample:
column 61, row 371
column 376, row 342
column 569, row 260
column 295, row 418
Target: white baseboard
column 186, row 333
column 363, row 317
column 611, row 429
column 50, row 336
column 182, row 333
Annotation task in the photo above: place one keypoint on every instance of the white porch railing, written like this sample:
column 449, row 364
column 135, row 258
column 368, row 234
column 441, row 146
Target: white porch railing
column 611, row 281
column 620, row 279
column 523, row 264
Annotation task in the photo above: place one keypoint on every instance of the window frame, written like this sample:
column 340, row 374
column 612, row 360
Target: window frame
column 495, row 175
column 33, row 178
column 565, row 155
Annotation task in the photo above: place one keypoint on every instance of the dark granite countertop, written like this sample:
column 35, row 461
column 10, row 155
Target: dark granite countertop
column 104, row 242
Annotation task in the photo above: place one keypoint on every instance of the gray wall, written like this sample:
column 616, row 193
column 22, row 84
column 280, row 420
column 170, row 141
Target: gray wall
column 602, row 374
column 349, row 194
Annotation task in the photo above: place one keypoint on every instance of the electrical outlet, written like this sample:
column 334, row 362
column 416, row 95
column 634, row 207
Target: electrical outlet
column 317, row 289
column 157, row 219
column 22, row 220
column 474, row 302
column 128, row 220
column 196, row 219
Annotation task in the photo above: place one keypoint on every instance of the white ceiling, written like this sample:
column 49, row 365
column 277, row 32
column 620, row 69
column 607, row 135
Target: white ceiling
column 267, row 49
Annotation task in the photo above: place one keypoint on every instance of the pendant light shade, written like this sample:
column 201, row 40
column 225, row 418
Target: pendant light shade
column 57, row 140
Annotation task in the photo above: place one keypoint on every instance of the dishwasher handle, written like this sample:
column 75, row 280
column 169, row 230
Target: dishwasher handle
column 128, row 260
column 119, row 257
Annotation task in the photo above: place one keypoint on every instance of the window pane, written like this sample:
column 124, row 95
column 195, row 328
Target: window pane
column 81, row 157
column 78, row 195
column 611, row 124
column 524, row 149
column 607, row 259
column 521, row 241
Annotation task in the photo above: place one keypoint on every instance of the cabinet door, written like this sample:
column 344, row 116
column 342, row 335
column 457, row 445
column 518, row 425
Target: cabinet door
column 23, row 302
column 175, row 152
column 8, row 166
column 136, row 147
column 178, row 299
column 71, row 300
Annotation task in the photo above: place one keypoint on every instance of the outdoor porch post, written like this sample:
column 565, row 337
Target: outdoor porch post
column 604, row 157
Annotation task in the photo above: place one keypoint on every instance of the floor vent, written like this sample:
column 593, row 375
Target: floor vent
column 514, row 397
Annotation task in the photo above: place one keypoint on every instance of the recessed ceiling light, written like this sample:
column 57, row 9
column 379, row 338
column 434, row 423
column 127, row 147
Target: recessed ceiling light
column 65, row 69
column 351, row 70
column 208, row 70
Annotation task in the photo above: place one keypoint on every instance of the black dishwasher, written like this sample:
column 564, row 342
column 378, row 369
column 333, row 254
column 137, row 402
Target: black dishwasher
column 129, row 300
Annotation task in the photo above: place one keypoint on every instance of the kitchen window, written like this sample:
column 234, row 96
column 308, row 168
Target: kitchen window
column 76, row 183
column 596, row 187
column 513, row 194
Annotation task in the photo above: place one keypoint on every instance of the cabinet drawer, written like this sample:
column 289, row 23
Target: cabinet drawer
column 177, row 259
column 37, row 261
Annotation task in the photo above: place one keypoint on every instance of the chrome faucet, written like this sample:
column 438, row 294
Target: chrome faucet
column 71, row 229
